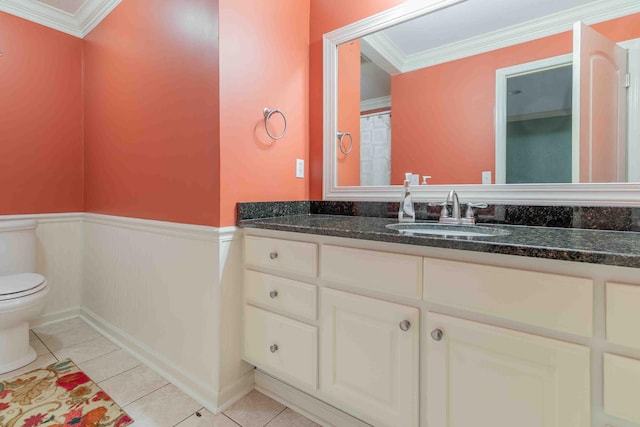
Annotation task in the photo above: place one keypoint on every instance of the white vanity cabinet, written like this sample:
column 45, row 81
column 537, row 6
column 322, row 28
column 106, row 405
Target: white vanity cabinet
column 482, row 375
column 393, row 335
column 275, row 339
column 369, row 352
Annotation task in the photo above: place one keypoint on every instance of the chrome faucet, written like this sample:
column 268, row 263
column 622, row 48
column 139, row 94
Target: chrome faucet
column 452, row 216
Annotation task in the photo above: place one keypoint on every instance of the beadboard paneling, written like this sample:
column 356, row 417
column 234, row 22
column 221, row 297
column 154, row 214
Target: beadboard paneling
column 175, row 289
column 59, row 259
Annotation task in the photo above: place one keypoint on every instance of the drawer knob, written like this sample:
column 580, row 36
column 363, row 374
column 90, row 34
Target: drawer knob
column 273, row 348
column 437, row 334
column 273, row 255
column 405, row 325
column 273, row 294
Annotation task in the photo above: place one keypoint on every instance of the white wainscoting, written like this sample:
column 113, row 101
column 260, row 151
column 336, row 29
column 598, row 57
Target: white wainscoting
column 59, row 257
column 169, row 293
column 172, row 294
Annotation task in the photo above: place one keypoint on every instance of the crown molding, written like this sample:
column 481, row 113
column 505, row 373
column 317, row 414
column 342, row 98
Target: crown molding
column 375, row 103
column 93, row 12
column 396, row 15
column 383, row 52
column 78, row 25
column 593, row 13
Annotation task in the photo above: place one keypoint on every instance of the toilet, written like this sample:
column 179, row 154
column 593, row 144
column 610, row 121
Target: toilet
column 22, row 292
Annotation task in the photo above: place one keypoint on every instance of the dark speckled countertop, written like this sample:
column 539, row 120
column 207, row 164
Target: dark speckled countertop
column 620, row 248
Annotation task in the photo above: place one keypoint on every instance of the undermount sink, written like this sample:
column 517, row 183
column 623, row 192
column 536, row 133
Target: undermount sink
column 447, row 230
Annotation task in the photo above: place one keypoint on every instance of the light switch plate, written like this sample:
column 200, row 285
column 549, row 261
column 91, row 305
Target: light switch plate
column 299, row 168
column 486, row 177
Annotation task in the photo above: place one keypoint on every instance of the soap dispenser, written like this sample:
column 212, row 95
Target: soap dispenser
column 406, row 213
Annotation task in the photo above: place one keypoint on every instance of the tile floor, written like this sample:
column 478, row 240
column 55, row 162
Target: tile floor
column 147, row 397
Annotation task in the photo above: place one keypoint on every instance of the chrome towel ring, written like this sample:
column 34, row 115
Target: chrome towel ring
column 341, row 145
column 268, row 112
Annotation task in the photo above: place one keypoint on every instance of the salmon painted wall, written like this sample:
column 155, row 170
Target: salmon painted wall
column 448, row 130
column 328, row 15
column 40, row 119
column 349, row 112
column 151, row 124
column 264, row 62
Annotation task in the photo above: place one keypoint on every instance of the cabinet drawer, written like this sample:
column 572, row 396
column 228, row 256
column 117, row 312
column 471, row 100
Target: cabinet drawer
column 373, row 270
column 282, row 255
column 623, row 316
column 289, row 296
column 282, row 347
column 622, row 387
column 551, row 301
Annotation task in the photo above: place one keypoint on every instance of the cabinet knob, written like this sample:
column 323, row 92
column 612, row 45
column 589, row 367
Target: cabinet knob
column 405, row 325
column 437, row 334
column 273, row 348
column 273, row 294
column 273, row 255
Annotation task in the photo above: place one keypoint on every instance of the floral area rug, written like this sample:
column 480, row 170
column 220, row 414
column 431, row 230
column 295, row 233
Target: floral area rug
column 60, row 395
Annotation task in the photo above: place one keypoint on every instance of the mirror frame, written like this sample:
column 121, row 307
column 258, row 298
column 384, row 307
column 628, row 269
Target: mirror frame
column 592, row 194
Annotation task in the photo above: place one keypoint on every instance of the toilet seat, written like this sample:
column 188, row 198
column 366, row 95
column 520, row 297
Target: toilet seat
column 20, row 285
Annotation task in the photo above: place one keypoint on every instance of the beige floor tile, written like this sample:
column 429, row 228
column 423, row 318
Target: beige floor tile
column 39, row 347
column 133, row 384
column 87, row 351
column 109, row 365
column 32, row 336
column 207, row 419
column 69, row 338
column 40, row 362
column 61, row 326
column 163, row 408
column 290, row 418
column 254, row 410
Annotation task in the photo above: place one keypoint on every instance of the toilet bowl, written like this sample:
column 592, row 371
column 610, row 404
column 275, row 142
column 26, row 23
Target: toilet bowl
column 22, row 298
column 22, row 293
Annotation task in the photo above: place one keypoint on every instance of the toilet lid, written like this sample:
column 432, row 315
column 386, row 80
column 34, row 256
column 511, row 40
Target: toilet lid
column 20, row 285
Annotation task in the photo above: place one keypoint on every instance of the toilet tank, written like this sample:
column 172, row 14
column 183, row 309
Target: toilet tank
column 17, row 246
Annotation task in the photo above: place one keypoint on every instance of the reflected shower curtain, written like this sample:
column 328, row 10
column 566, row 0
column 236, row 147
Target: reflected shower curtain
column 375, row 149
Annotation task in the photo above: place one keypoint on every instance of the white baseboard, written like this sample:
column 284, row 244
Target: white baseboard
column 205, row 395
column 312, row 408
column 236, row 391
column 56, row 317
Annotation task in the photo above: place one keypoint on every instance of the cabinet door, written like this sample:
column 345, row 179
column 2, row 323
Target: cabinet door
column 481, row 375
column 369, row 358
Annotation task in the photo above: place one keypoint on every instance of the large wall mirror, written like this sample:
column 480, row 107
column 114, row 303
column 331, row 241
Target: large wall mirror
column 527, row 101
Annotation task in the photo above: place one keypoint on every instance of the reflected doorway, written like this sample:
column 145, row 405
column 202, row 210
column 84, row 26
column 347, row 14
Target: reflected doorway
column 534, row 122
column 539, row 122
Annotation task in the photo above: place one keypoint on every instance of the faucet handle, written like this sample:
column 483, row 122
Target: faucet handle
column 470, row 206
column 444, row 213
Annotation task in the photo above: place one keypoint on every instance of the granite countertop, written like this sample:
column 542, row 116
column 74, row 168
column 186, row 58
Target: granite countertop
column 620, row 248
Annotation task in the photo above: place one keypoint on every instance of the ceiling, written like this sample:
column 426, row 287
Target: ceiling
column 472, row 27
column 75, row 17
column 476, row 16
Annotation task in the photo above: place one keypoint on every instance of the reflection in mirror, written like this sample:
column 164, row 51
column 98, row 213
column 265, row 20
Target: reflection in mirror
column 428, row 97
column 538, row 128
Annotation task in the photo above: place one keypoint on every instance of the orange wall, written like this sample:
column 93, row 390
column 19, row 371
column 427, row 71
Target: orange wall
column 151, row 112
column 328, row 15
column 40, row 119
column 264, row 62
column 349, row 112
column 448, row 130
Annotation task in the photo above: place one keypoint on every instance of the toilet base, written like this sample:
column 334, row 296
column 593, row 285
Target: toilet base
column 28, row 358
column 15, row 351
